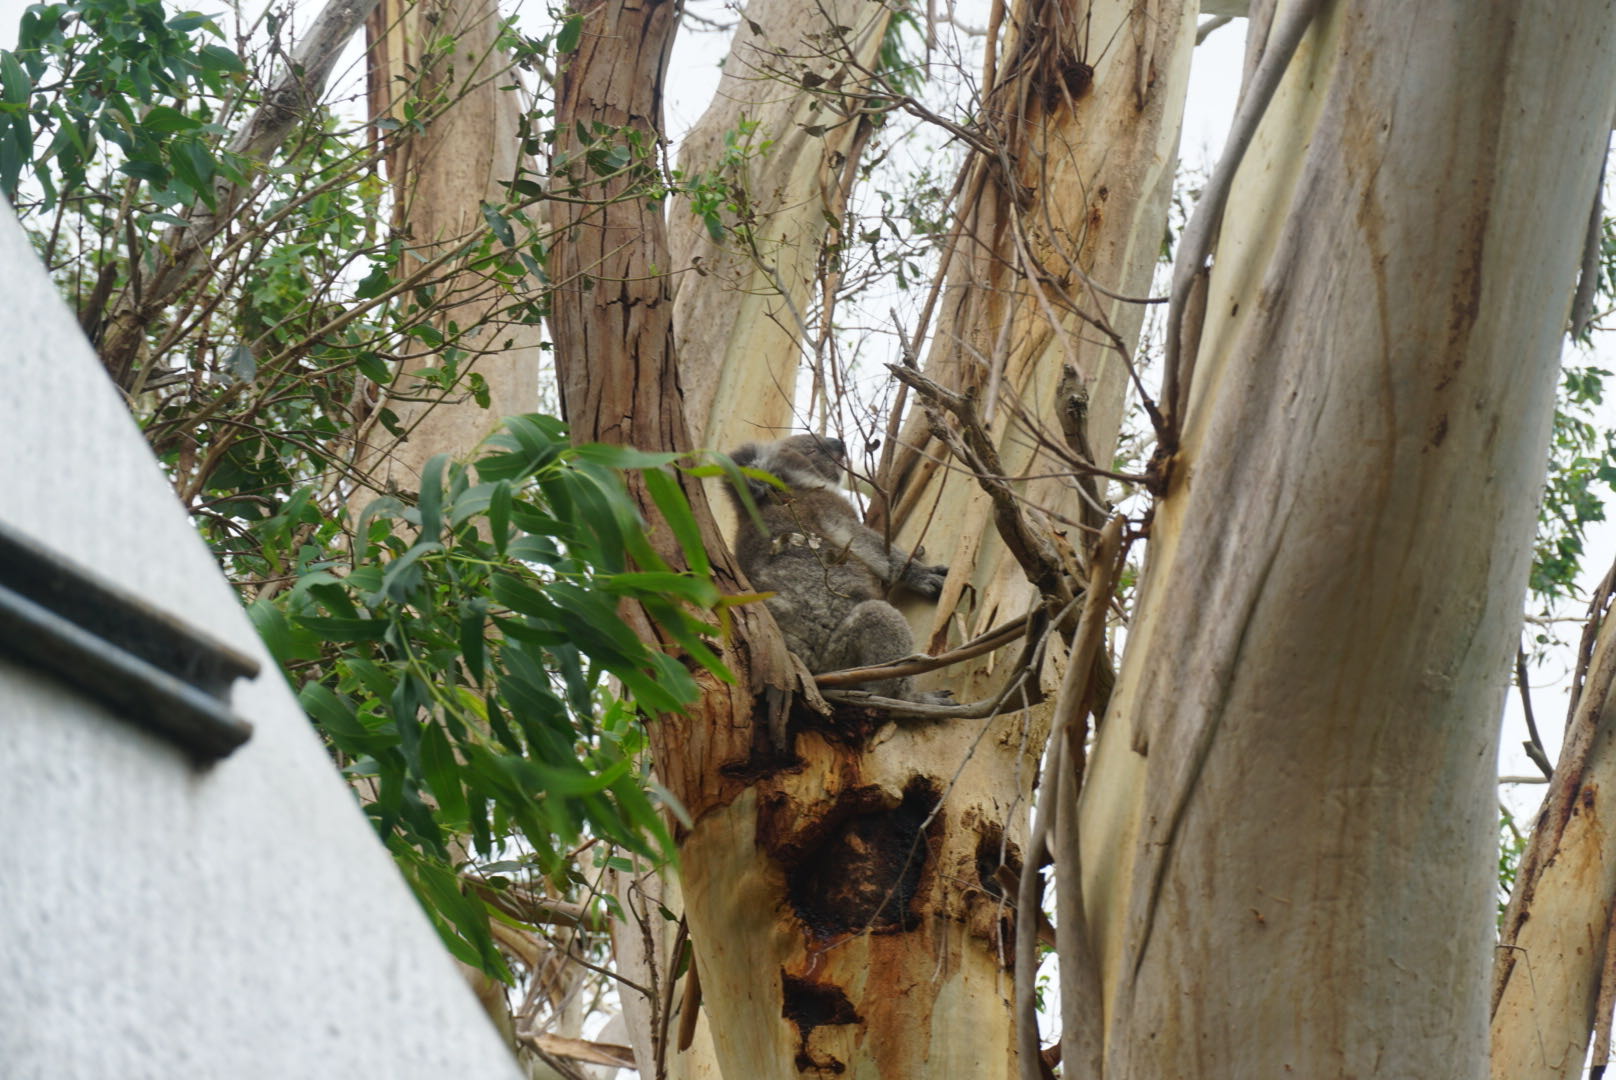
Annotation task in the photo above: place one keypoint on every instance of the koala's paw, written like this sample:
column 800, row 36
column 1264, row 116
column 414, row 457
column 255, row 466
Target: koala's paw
column 933, row 697
column 926, row 580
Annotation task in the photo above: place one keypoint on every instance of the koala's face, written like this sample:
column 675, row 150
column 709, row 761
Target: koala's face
column 827, row 457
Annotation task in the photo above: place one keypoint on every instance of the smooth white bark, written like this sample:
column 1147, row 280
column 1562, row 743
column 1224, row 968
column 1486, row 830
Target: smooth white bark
column 1290, row 820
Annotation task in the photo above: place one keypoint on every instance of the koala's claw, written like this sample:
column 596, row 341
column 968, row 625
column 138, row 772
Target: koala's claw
column 927, row 580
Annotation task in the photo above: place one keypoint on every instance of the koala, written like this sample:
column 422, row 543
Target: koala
column 828, row 571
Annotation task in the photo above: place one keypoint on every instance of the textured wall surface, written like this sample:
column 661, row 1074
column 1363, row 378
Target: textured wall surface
column 156, row 919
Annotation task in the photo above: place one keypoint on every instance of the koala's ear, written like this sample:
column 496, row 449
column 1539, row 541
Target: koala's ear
column 747, row 491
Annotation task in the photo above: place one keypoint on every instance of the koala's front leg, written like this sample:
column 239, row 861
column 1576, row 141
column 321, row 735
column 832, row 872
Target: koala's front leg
column 893, row 565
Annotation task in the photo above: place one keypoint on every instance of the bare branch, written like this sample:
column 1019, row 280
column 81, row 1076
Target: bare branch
column 996, row 638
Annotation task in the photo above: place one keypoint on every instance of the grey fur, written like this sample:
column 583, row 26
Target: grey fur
column 828, row 571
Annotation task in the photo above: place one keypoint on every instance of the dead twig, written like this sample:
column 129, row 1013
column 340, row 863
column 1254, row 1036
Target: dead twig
column 996, row 638
column 1032, row 550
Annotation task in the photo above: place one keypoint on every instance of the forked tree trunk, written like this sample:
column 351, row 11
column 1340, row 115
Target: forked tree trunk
column 1290, row 823
column 743, row 305
column 1056, row 229
column 843, row 897
column 1041, row 312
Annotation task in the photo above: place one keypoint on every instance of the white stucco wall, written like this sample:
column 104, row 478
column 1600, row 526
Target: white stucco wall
column 157, row 920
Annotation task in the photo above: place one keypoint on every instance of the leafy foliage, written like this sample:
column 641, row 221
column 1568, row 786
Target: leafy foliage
column 457, row 666
column 1511, row 846
column 460, row 649
column 124, row 74
column 1582, row 468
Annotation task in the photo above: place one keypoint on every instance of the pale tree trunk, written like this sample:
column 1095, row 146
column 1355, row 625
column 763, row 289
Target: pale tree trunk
column 1289, row 829
column 1057, row 225
column 1554, row 978
column 744, row 308
column 467, row 154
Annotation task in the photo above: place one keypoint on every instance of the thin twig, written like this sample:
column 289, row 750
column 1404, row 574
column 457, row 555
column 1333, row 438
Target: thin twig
column 1534, row 744
column 998, row 637
column 1071, row 706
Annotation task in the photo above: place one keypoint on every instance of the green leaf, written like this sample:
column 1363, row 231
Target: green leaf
column 523, row 598
column 374, row 368
column 472, row 646
column 623, row 457
column 15, row 86
column 373, row 285
column 501, row 227
column 659, row 583
column 187, row 22
column 331, row 712
column 401, row 578
column 461, row 922
column 150, row 171
column 431, row 501
column 344, row 629
column 284, row 642
column 219, row 58
column 163, row 118
column 442, row 773
column 372, row 678
column 499, row 515
column 670, row 500
column 572, row 32
column 480, row 392
column 388, row 506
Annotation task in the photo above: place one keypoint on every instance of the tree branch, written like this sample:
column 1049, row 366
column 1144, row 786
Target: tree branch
column 284, row 104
